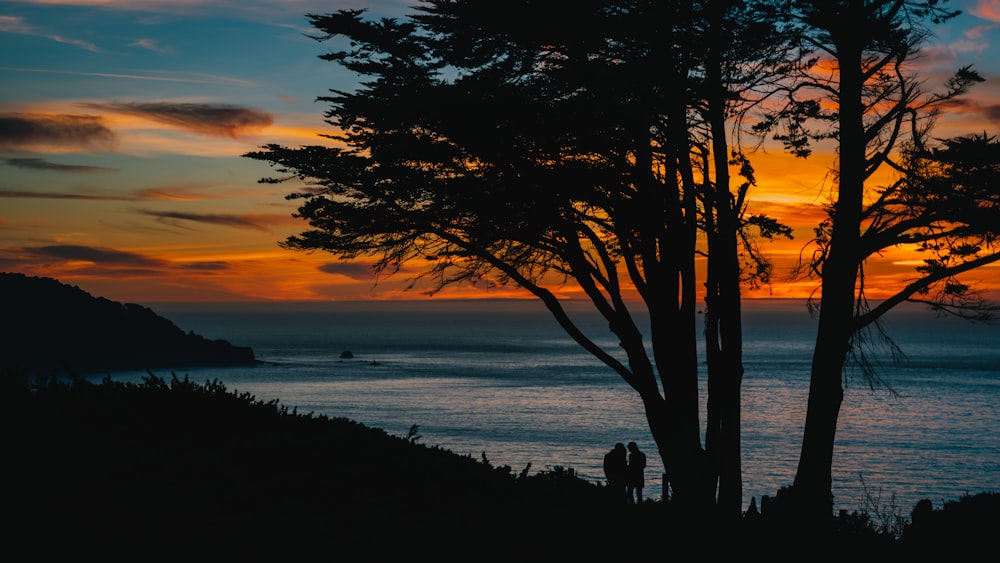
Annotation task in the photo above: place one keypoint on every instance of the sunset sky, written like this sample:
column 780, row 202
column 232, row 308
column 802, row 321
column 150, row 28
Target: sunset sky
column 122, row 123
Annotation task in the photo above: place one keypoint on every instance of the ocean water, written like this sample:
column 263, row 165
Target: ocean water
column 503, row 381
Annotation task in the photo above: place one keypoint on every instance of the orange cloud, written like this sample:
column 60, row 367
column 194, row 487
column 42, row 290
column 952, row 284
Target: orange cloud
column 987, row 9
column 188, row 191
column 304, row 134
column 206, row 119
column 153, row 128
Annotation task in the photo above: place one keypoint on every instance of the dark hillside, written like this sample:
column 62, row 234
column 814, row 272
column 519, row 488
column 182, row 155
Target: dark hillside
column 178, row 467
column 48, row 327
column 181, row 471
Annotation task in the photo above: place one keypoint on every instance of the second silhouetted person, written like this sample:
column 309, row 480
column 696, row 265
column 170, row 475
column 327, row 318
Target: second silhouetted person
column 635, row 478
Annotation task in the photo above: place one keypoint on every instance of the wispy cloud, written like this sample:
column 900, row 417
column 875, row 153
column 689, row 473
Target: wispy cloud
column 992, row 113
column 151, row 75
column 177, row 192
column 96, row 255
column 14, row 24
column 175, row 218
column 24, row 194
column 972, row 110
column 218, row 120
column 190, row 191
column 265, row 10
column 213, row 266
column 353, row 270
column 181, row 192
column 151, row 45
column 20, row 131
column 42, row 164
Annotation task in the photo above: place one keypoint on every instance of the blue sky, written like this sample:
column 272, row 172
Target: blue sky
column 122, row 124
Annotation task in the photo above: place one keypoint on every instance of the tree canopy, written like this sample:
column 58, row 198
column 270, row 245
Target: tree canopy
column 494, row 144
column 861, row 88
column 499, row 149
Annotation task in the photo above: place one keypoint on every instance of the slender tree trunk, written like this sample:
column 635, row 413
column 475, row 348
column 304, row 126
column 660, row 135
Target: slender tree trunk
column 729, row 371
column 814, row 478
column 723, row 332
column 697, row 477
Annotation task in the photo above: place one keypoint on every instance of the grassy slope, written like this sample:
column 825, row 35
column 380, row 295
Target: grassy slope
column 178, row 468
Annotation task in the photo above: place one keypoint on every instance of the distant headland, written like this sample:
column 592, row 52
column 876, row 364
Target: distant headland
column 50, row 328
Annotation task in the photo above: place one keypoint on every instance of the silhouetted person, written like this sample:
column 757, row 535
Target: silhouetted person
column 615, row 467
column 635, row 474
column 919, row 530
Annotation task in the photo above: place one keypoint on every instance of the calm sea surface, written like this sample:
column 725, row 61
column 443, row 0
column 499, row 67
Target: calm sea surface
column 504, row 381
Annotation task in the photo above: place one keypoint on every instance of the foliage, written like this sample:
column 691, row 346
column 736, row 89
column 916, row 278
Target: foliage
column 858, row 85
column 494, row 149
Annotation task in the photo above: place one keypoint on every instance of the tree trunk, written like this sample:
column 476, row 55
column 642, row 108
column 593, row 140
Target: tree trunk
column 723, row 331
column 674, row 418
column 723, row 319
column 673, row 311
column 813, row 479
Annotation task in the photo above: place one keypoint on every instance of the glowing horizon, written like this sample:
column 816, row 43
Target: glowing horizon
column 122, row 125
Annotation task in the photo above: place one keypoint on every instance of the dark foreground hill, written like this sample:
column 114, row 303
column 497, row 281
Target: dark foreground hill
column 169, row 470
column 49, row 327
column 178, row 466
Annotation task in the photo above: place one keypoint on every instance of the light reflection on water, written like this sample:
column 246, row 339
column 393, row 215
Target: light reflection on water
column 512, row 387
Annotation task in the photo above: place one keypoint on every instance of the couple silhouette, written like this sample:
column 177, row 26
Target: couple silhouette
column 625, row 470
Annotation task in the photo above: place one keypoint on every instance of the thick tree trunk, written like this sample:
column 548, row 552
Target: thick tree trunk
column 673, row 317
column 674, row 418
column 814, row 478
